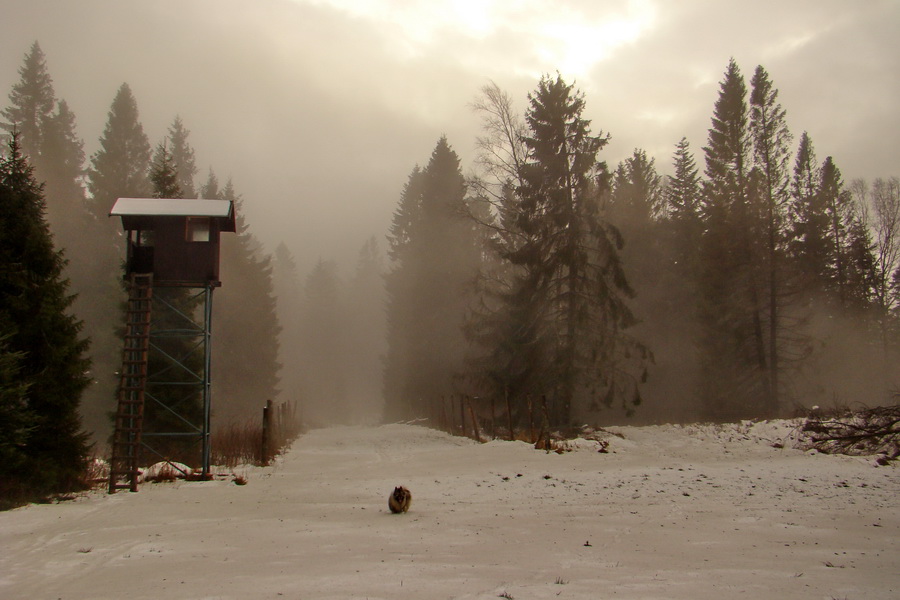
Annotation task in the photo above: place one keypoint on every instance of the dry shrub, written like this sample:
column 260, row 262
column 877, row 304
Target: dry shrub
column 242, row 443
column 237, row 444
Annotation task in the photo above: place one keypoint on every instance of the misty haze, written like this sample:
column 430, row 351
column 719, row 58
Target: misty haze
column 506, row 255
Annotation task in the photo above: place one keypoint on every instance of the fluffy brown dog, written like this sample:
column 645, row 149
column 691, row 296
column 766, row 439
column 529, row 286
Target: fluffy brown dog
column 399, row 500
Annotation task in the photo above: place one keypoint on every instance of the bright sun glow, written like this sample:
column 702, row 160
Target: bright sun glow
column 538, row 36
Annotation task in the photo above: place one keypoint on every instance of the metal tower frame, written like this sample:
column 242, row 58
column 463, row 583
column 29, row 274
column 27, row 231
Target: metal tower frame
column 151, row 320
column 166, row 376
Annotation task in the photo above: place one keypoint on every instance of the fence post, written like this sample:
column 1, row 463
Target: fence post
column 462, row 416
column 531, row 420
column 476, row 433
column 267, row 423
column 493, row 428
column 512, row 433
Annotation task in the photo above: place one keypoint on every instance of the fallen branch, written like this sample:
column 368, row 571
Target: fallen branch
column 857, row 433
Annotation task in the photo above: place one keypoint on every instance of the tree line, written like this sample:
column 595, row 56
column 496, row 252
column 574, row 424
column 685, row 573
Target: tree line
column 57, row 236
column 549, row 284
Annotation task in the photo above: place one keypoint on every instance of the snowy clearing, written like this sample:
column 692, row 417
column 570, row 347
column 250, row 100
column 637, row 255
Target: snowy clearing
column 670, row 512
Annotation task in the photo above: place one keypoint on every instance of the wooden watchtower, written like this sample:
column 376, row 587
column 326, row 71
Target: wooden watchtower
column 172, row 247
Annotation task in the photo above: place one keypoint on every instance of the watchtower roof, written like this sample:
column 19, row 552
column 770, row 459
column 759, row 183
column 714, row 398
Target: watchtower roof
column 133, row 209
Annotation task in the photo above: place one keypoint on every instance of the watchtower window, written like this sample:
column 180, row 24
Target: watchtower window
column 197, row 229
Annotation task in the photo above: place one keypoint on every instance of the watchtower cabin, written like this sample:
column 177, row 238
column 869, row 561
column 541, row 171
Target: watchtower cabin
column 175, row 240
column 170, row 243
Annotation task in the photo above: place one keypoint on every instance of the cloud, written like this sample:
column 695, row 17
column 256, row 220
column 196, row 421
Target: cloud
column 319, row 109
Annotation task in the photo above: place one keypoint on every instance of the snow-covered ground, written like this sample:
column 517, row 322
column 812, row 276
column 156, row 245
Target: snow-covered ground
column 670, row 512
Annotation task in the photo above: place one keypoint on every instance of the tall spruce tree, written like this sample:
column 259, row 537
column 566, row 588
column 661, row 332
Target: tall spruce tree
column 32, row 101
column 49, row 141
column 733, row 358
column 837, row 204
column 247, row 331
column 771, row 158
column 670, row 324
column 637, row 208
column 809, row 221
column 445, row 261
column 684, row 210
column 435, row 257
column 42, row 341
column 573, row 288
column 16, row 420
column 62, row 169
column 183, row 155
column 398, row 285
column 58, row 159
column 120, row 168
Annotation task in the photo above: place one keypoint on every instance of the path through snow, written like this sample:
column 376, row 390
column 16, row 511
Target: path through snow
column 671, row 512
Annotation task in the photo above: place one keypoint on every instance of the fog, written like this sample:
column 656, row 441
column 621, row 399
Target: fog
column 318, row 109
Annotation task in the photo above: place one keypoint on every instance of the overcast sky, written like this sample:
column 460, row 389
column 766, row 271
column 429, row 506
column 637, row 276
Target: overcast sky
column 319, row 109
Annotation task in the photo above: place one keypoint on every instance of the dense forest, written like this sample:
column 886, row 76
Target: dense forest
column 749, row 283
column 550, row 284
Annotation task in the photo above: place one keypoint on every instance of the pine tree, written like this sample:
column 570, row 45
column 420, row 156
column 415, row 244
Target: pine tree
column 809, row 221
column 399, row 298
column 662, row 269
column 732, row 346
column 49, row 139
column 684, row 209
column 435, row 257
column 636, row 206
column 62, row 161
column 445, row 261
column 164, row 173
column 120, row 168
column 247, row 330
column 183, row 155
column 58, row 159
column 16, row 422
column 573, row 288
column 838, row 212
column 32, row 102
column 44, row 338
column 771, row 153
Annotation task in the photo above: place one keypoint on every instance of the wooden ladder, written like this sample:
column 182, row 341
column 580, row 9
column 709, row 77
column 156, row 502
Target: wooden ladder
column 123, row 466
